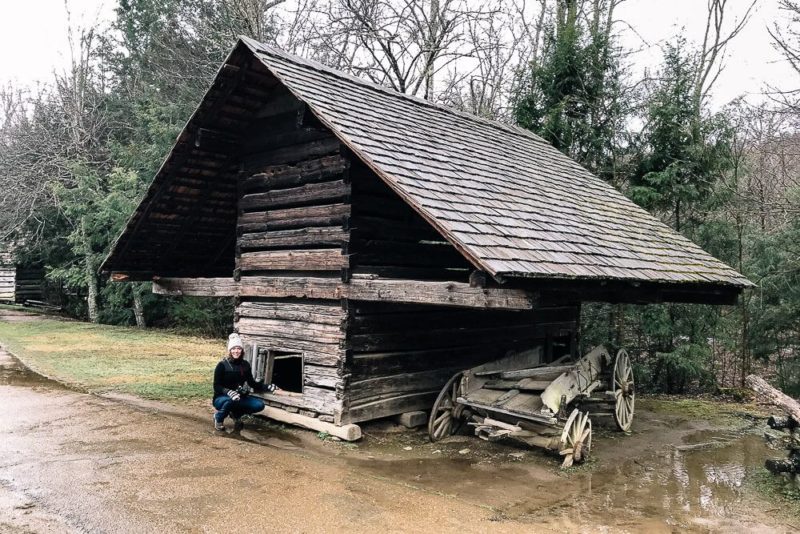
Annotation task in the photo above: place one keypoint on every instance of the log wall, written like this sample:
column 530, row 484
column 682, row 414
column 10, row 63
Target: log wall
column 390, row 240
column 8, row 272
column 400, row 355
column 29, row 284
column 294, row 211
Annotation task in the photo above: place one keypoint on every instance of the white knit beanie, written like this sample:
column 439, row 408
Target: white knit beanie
column 234, row 341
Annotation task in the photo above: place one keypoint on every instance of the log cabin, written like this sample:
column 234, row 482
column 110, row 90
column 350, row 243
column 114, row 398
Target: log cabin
column 8, row 276
column 377, row 243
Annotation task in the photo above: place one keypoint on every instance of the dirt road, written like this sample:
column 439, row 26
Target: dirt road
column 74, row 462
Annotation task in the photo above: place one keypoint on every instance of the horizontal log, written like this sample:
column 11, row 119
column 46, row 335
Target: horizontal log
column 320, row 400
column 383, row 387
column 301, row 260
column 306, row 216
column 320, row 333
column 326, row 354
column 272, row 140
column 435, row 318
column 306, row 172
column 325, row 192
column 415, row 291
column 315, row 375
column 298, row 237
column 326, row 314
column 364, row 365
column 410, row 272
column 444, row 293
column 511, row 336
column 349, row 432
column 346, row 432
column 291, row 154
column 279, row 103
column 199, row 287
column 392, row 406
column 769, row 394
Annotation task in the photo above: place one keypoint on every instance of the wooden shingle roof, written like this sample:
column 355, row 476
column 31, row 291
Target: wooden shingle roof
column 510, row 202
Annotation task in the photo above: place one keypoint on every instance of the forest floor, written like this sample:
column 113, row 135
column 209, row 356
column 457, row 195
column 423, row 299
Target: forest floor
column 116, row 430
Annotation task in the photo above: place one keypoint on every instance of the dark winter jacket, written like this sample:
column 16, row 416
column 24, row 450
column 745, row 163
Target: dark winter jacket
column 230, row 374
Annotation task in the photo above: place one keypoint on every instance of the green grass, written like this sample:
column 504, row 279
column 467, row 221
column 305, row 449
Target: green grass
column 149, row 363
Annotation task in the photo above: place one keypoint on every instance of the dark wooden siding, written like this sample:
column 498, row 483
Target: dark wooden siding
column 401, row 355
column 389, row 239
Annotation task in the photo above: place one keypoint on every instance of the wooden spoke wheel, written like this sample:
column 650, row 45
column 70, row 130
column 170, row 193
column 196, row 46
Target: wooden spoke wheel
column 624, row 391
column 576, row 439
column 446, row 413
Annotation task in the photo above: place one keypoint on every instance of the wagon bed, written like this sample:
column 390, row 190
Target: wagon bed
column 544, row 405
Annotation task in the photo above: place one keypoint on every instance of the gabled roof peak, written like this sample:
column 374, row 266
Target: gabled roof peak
column 257, row 47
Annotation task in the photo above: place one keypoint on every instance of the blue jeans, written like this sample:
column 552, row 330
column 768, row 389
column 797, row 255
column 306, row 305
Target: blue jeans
column 226, row 406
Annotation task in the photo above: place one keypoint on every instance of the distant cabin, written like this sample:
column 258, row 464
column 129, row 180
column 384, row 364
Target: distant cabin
column 8, row 277
column 377, row 243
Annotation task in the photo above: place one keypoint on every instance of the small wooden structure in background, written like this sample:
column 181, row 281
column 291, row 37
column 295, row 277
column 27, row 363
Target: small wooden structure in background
column 377, row 243
column 19, row 283
column 8, row 276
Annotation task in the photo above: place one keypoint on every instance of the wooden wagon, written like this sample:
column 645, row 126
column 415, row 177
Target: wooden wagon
column 545, row 406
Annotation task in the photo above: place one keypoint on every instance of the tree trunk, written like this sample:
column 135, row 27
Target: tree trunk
column 770, row 395
column 138, row 308
column 91, row 299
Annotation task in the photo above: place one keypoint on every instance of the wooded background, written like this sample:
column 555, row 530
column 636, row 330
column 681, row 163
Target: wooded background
column 76, row 154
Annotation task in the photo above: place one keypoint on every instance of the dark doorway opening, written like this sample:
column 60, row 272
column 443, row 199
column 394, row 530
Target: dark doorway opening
column 287, row 370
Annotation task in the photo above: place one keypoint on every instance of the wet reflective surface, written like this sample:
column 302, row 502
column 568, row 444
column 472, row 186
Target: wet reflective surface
column 76, row 462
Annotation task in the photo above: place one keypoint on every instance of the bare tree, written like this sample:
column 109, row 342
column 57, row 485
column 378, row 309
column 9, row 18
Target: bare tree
column 402, row 44
column 786, row 39
column 711, row 54
column 503, row 44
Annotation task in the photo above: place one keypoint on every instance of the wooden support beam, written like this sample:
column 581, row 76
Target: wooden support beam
column 196, row 287
column 376, row 290
column 349, row 432
column 387, row 290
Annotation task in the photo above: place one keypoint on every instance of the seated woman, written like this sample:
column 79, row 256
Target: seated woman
column 233, row 381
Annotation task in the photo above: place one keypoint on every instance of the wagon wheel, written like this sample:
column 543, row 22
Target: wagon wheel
column 445, row 416
column 624, row 391
column 576, row 439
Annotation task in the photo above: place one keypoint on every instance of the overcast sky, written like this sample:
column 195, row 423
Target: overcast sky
column 33, row 39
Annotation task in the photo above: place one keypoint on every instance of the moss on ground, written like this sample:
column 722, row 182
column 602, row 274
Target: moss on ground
column 700, row 408
column 149, row 363
column 778, row 489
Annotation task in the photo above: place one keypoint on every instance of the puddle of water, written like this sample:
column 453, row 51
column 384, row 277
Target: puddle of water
column 673, row 487
column 667, row 488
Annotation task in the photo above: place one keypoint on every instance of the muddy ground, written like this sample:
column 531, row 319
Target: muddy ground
column 77, row 462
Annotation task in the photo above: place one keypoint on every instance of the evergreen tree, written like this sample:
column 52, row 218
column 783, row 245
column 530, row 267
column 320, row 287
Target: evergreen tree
column 573, row 98
column 682, row 153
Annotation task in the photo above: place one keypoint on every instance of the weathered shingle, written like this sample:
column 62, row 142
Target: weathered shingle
column 512, row 202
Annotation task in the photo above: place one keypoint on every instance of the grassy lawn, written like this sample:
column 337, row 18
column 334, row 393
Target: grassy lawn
column 148, row 363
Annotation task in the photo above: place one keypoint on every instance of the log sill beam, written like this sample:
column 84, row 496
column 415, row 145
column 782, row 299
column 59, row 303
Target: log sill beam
column 373, row 289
